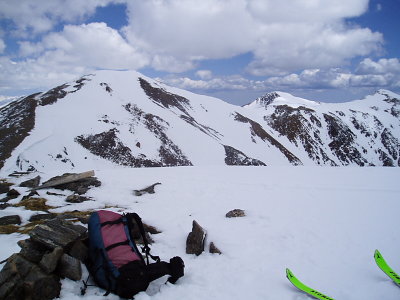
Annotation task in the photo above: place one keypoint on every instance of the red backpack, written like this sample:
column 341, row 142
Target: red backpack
column 114, row 261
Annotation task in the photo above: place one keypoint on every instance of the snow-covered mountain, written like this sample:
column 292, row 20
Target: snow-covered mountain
column 125, row 118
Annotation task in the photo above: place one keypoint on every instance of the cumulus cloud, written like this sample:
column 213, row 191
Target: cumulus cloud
column 93, row 45
column 223, row 83
column 284, row 36
column 35, row 17
column 70, row 53
column 192, row 29
column 318, row 79
column 300, row 43
column 382, row 66
column 204, row 74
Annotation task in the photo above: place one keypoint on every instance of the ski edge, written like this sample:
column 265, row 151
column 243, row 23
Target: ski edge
column 382, row 264
column 302, row 287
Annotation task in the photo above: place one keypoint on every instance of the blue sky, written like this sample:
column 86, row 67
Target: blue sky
column 236, row 50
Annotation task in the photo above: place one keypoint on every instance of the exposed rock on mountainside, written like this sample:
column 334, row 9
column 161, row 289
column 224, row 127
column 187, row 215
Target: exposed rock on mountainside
column 16, row 121
column 354, row 133
column 237, row 158
column 122, row 117
column 257, row 130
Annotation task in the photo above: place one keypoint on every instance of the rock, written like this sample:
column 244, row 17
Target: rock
column 69, row 267
column 147, row 190
column 34, row 273
column 40, row 286
column 235, row 213
column 214, row 249
column 21, row 279
column 12, row 194
column 49, row 261
column 10, row 220
column 31, row 183
column 76, row 199
column 195, row 240
column 4, row 206
column 4, row 187
column 79, row 250
column 42, row 217
column 32, row 251
column 57, row 233
column 80, row 186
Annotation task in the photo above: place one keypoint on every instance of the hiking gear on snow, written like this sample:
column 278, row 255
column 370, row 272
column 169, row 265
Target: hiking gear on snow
column 114, row 260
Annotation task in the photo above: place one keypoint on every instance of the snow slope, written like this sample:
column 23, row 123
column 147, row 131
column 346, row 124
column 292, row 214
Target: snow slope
column 125, row 118
column 323, row 223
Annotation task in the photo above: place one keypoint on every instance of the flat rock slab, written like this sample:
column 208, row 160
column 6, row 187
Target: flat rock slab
column 57, row 233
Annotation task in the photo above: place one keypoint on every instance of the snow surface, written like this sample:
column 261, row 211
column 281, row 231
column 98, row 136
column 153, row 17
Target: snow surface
column 323, row 223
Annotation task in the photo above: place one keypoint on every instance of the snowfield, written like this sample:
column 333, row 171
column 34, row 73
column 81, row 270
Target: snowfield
column 323, row 223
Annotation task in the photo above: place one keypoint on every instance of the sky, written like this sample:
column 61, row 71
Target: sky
column 236, row 50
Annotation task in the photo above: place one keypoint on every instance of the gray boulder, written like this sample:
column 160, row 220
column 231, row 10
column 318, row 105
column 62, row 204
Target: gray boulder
column 57, row 233
column 196, row 239
column 31, row 183
column 69, row 267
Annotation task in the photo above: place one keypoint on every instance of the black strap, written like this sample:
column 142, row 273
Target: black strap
column 117, row 221
column 146, row 248
column 117, row 244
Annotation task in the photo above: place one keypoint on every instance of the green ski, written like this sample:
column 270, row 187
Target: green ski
column 385, row 267
column 302, row 287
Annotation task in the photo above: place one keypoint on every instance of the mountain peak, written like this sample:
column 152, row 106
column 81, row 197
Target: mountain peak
column 281, row 98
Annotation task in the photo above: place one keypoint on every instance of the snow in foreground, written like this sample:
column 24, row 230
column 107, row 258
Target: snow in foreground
column 322, row 223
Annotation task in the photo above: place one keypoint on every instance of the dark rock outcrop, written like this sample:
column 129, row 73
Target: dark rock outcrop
column 80, row 186
column 235, row 157
column 196, row 239
column 214, row 249
column 10, row 220
column 31, row 183
column 147, row 190
column 34, row 273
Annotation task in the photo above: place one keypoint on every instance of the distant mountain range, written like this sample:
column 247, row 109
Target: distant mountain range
column 125, row 118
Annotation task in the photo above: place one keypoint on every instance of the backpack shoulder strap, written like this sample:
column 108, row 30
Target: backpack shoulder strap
column 146, row 248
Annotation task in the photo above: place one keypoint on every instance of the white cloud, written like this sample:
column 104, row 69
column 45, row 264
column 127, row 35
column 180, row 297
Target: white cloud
column 204, row 74
column 284, row 36
column 68, row 54
column 223, row 83
column 298, row 42
column 292, row 47
column 2, row 46
column 191, row 30
column 34, row 17
column 318, row 79
column 93, row 45
column 382, row 66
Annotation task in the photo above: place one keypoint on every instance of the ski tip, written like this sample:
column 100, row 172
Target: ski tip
column 289, row 273
column 377, row 254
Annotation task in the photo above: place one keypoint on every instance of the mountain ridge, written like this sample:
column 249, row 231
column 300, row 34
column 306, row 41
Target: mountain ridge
column 126, row 118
